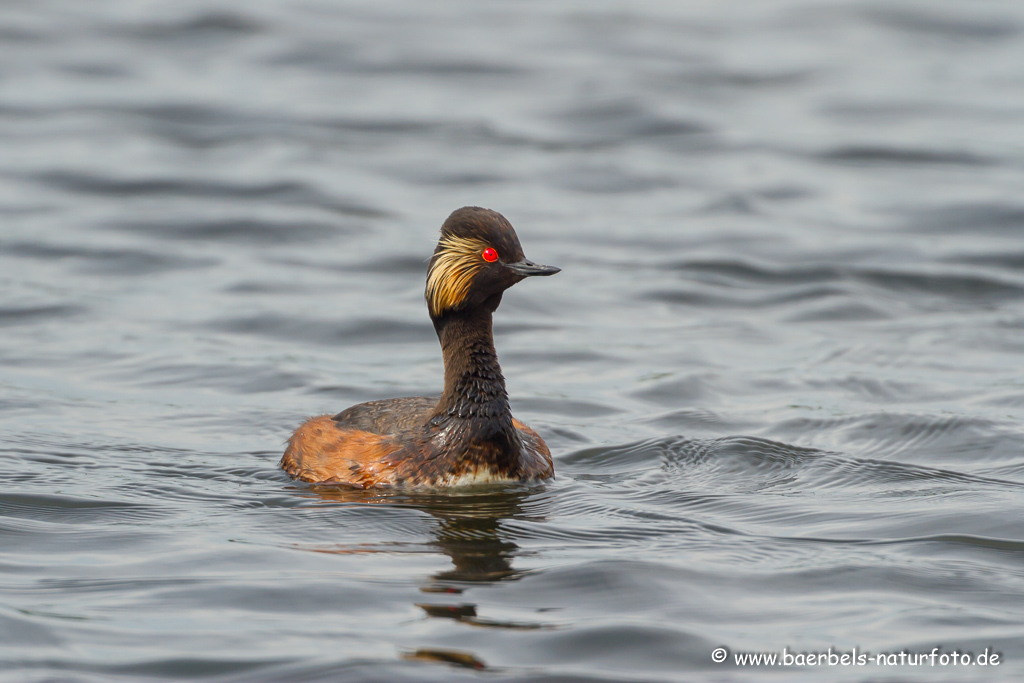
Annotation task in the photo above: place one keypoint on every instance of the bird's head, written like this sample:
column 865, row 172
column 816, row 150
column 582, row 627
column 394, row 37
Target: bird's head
column 477, row 258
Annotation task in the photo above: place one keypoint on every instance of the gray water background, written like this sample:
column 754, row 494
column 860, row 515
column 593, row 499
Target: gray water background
column 780, row 372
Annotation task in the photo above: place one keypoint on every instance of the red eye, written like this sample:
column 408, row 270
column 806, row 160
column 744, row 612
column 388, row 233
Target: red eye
column 490, row 255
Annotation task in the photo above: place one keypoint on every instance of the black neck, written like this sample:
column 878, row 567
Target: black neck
column 474, row 388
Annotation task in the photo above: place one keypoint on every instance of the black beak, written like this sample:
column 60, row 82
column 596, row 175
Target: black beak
column 527, row 268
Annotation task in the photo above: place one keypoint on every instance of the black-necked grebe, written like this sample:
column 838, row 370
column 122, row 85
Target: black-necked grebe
column 466, row 436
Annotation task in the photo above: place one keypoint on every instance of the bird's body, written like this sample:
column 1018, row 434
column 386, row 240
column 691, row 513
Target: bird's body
column 467, row 435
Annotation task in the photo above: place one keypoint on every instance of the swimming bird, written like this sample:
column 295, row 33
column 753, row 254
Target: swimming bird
column 467, row 435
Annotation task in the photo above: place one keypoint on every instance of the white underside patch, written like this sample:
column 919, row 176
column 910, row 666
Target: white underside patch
column 474, row 478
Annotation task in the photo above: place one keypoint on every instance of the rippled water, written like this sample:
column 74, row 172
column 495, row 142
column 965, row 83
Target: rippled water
column 780, row 371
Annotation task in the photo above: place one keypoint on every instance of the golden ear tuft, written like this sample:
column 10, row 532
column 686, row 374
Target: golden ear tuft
column 455, row 262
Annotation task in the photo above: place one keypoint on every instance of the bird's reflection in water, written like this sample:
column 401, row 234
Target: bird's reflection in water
column 470, row 531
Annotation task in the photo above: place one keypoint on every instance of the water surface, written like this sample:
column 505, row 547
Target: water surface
column 780, row 372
